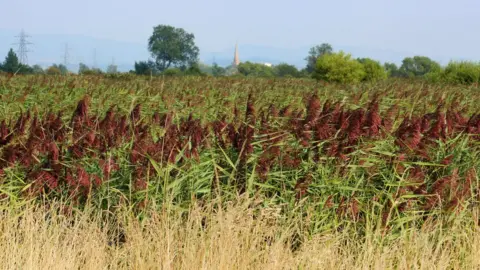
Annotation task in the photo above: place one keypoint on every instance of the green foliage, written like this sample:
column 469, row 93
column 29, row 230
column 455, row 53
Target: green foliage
column 194, row 70
column 37, row 69
column 339, row 67
column 315, row 53
column 232, row 71
column 392, row 70
column 11, row 63
column 145, row 68
column 462, row 72
column 255, row 70
column 85, row 70
column 53, row 70
column 373, row 70
column 82, row 68
column 303, row 73
column 205, row 68
column 171, row 46
column 94, row 71
column 286, row 70
column 434, row 77
column 25, row 69
column 62, row 68
column 172, row 72
column 418, row 66
column 123, row 76
column 218, row 70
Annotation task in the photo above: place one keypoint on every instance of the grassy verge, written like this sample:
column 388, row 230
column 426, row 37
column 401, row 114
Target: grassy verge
column 239, row 236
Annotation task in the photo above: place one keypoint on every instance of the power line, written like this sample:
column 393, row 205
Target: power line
column 112, row 68
column 66, row 55
column 23, row 47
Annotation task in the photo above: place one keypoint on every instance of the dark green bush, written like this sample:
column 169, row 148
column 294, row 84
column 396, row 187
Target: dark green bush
column 172, row 72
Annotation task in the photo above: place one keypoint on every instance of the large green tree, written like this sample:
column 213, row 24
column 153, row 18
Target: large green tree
column 314, row 53
column 171, row 46
column 11, row 63
column 418, row 66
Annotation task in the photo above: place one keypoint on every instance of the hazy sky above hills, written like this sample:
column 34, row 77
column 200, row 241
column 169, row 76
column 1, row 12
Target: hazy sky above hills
column 437, row 28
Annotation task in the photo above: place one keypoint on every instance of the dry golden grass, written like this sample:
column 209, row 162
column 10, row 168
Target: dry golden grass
column 236, row 238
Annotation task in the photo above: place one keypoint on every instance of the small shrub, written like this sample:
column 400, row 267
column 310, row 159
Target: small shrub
column 53, row 71
column 373, row 70
column 172, row 72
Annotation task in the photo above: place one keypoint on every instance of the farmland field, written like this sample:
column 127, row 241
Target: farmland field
column 238, row 173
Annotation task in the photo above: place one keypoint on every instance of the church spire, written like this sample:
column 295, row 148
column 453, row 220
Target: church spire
column 236, row 59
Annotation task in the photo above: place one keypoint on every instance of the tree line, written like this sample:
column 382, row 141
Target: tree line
column 174, row 53
column 12, row 65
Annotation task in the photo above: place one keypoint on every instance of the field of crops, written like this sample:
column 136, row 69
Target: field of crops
column 402, row 153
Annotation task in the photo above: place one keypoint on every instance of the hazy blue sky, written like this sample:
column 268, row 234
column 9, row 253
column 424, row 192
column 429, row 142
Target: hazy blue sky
column 430, row 27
